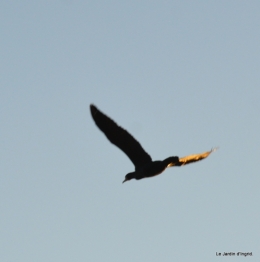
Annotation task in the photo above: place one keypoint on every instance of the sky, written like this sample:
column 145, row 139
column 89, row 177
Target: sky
column 181, row 77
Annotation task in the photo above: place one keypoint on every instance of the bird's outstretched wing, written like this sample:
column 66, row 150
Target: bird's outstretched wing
column 192, row 158
column 121, row 138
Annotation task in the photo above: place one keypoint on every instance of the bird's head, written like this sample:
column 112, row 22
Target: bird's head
column 129, row 176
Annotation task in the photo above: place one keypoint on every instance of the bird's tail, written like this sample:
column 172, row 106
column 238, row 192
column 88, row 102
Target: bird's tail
column 196, row 157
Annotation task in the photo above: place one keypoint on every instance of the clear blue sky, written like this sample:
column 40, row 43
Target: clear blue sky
column 181, row 77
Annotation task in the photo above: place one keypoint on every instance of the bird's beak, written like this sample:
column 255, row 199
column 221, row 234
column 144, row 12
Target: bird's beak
column 124, row 181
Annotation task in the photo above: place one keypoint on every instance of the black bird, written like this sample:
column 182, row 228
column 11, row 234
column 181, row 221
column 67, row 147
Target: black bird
column 144, row 166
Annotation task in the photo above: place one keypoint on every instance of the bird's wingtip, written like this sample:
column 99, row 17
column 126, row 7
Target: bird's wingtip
column 93, row 109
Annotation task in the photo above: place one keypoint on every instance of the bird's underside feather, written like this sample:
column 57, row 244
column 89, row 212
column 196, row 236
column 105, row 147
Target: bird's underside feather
column 192, row 158
column 121, row 138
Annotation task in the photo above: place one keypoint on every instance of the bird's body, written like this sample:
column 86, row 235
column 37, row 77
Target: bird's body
column 153, row 168
column 144, row 166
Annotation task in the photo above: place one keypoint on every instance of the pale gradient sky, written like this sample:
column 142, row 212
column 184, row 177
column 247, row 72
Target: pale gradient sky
column 181, row 77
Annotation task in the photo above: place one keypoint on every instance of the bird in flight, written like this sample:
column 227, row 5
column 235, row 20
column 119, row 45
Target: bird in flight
column 144, row 166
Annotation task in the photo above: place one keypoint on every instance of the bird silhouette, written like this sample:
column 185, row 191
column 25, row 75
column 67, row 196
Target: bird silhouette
column 144, row 166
